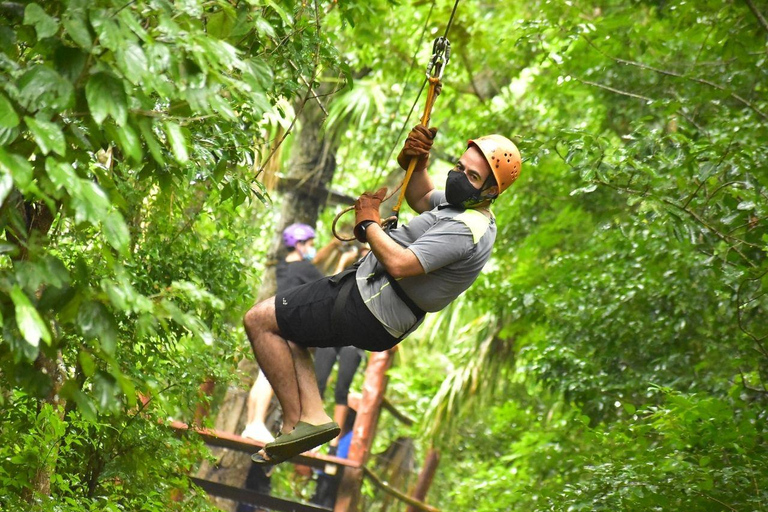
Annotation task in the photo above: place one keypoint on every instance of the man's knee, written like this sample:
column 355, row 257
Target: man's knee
column 261, row 316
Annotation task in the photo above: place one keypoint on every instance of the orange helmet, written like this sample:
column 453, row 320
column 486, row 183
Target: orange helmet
column 503, row 157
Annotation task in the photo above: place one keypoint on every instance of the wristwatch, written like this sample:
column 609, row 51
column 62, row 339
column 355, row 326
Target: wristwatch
column 364, row 225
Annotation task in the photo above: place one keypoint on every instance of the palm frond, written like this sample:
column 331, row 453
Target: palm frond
column 480, row 359
column 355, row 107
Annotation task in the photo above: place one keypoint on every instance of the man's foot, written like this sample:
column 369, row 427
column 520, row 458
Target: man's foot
column 258, row 432
column 302, row 438
column 262, row 458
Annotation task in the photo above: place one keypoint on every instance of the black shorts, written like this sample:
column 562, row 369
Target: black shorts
column 304, row 316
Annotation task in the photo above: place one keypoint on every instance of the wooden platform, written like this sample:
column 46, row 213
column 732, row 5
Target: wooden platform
column 254, row 498
column 242, row 444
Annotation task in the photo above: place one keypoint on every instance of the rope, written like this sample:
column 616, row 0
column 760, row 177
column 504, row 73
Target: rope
column 440, row 56
column 407, row 119
column 379, row 163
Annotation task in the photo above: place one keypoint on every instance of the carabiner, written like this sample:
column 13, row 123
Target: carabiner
column 441, row 54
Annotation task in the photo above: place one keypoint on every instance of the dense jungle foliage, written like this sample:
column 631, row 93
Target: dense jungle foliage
column 612, row 356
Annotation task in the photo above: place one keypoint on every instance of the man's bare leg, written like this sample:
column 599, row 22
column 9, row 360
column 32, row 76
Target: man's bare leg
column 275, row 359
column 312, row 410
column 287, row 366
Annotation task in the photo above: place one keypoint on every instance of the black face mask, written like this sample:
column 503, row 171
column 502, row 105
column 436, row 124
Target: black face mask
column 460, row 192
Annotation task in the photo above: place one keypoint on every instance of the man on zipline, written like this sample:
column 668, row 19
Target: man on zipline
column 419, row 267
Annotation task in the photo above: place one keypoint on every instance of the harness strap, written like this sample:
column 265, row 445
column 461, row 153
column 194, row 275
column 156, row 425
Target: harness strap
column 416, row 310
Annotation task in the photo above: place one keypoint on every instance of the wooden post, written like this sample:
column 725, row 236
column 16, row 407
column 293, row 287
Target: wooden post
column 426, row 476
column 365, row 427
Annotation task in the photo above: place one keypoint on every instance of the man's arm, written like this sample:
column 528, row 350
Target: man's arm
column 399, row 262
column 419, row 191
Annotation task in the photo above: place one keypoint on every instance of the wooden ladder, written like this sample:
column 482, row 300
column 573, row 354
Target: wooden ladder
column 351, row 478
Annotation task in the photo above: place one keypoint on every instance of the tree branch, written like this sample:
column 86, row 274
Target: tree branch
column 757, row 14
column 725, row 238
column 617, row 91
column 675, row 74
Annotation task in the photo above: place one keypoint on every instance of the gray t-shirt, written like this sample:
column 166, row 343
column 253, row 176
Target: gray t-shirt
column 452, row 246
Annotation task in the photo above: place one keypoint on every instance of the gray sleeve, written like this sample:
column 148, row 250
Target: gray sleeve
column 437, row 198
column 444, row 243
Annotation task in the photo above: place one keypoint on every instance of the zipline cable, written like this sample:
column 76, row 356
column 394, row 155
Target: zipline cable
column 441, row 54
column 418, row 96
column 396, row 110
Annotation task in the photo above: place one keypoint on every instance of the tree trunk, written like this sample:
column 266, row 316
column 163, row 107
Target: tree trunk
column 310, row 169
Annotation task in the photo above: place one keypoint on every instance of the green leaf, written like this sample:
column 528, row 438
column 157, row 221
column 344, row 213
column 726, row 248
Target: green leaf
column 155, row 149
column 8, row 116
column 18, row 167
column 92, row 204
column 116, row 231
column 258, row 74
column 42, row 88
column 49, row 272
column 71, row 391
column 63, row 176
column 177, row 141
column 48, row 136
column 70, row 62
column 105, row 389
column 6, row 185
column 77, row 28
column 126, row 385
column 132, row 62
column 31, row 325
column 220, row 23
column 95, row 321
column 106, row 97
column 130, row 143
column 8, row 135
column 45, row 25
column 87, row 363
column 105, row 26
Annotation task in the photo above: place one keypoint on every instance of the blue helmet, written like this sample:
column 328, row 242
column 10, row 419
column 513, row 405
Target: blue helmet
column 296, row 233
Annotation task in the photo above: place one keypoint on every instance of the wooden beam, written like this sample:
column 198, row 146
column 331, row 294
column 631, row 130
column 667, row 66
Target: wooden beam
column 378, row 482
column 426, row 476
column 332, row 197
column 254, row 498
column 242, row 444
column 399, row 416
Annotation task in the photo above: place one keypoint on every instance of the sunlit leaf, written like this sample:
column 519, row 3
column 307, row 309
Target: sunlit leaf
column 31, row 325
column 8, row 116
column 48, row 136
column 45, row 25
column 106, row 97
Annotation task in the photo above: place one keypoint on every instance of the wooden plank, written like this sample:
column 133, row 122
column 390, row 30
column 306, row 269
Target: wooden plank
column 254, row 498
column 235, row 442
